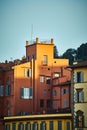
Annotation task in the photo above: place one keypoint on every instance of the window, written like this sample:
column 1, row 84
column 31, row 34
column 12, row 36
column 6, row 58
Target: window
column 21, row 126
column 8, row 112
column 14, row 126
column 27, row 126
column 35, row 126
column 78, row 77
column 7, row 127
column 51, row 125
column 59, row 125
column 1, row 90
column 65, row 102
column 28, row 58
column 28, row 72
column 26, row 93
column 54, row 92
column 64, row 91
column 33, row 57
column 67, row 125
column 44, row 91
column 45, row 59
column 30, row 93
column 79, row 95
column 41, row 103
column 54, row 105
column 48, row 80
column 41, row 79
column 43, row 126
column 79, row 119
column 57, row 75
column 48, row 103
column 8, row 90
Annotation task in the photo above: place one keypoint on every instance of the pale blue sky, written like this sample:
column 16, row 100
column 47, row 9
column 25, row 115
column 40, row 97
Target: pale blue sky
column 63, row 20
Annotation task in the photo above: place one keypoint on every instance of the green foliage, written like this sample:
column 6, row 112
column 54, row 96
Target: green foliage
column 79, row 54
column 55, row 52
column 76, row 55
column 70, row 54
column 82, row 52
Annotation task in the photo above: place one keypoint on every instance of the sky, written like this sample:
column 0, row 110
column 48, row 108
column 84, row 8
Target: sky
column 21, row 20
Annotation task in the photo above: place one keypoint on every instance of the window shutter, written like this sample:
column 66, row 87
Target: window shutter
column 1, row 90
column 30, row 93
column 82, row 95
column 25, row 72
column 22, row 92
column 62, row 91
column 75, row 77
column 82, row 77
column 67, row 91
column 75, row 96
column 30, row 72
column 54, row 105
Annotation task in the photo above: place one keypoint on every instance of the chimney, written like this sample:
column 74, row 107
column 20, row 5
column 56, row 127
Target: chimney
column 27, row 43
column 37, row 40
column 52, row 41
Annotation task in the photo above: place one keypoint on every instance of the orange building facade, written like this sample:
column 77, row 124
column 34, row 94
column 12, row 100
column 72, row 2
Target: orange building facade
column 41, row 84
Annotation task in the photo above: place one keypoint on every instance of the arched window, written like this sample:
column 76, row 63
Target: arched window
column 43, row 126
column 79, row 119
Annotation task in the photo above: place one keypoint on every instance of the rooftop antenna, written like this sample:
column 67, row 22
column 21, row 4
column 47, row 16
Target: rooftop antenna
column 31, row 33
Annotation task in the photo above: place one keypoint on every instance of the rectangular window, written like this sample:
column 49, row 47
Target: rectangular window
column 7, row 127
column 56, row 75
column 54, row 105
column 48, row 80
column 43, row 126
column 8, row 90
column 78, row 77
column 45, row 59
column 20, row 126
column 79, row 95
column 65, row 102
column 45, row 91
column 67, row 125
column 41, row 79
column 64, row 91
column 54, row 92
column 41, row 103
column 51, row 125
column 28, row 58
column 59, row 125
column 35, row 126
column 14, row 126
column 26, row 93
column 28, row 72
column 1, row 90
column 27, row 126
column 48, row 103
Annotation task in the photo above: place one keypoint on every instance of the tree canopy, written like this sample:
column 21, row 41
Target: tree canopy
column 79, row 54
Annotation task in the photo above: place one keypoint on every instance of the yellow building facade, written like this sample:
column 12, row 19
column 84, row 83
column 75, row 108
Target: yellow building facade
column 39, row 122
column 79, row 96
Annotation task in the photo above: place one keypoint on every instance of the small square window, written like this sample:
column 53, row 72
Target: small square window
column 41, row 79
column 48, row 80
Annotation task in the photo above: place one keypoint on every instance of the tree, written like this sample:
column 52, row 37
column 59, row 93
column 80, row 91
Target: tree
column 82, row 52
column 70, row 54
column 55, row 52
